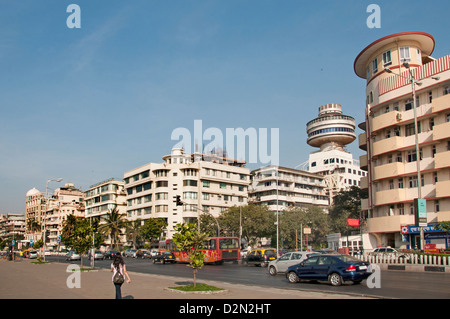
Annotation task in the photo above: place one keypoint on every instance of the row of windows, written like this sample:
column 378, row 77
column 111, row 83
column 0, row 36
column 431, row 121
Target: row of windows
column 165, row 209
column 402, row 209
column 330, row 130
column 405, row 56
column 186, row 172
column 407, row 182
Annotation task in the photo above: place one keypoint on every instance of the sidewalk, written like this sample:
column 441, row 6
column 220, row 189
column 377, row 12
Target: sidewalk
column 24, row 280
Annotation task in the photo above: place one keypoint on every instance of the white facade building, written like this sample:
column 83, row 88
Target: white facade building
column 280, row 188
column 205, row 183
column 331, row 131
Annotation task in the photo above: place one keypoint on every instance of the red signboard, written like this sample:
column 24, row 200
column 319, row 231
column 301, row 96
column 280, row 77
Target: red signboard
column 352, row 222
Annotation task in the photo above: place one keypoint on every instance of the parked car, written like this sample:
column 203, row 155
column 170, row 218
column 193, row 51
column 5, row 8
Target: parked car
column 130, row 253
column 110, row 254
column 32, row 254
column 332, row 268
column 288, row 259
column 97, row 255
column 142, row 253
column 73, row 255
column 153, row 252
column 261, row 256
column 389, row 252
column 164, row 257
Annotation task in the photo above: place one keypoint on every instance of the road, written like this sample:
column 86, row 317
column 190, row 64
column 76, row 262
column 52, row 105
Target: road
column 394, row 284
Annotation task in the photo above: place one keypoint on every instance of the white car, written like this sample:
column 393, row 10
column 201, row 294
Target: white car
column 280, row 265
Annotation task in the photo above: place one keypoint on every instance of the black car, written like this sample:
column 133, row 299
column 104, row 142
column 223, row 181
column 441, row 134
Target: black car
column 332, row 268
column 164, row 257
column 110, row 254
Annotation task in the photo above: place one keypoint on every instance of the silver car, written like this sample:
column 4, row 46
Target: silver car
column 72, row 255
column 280, row 265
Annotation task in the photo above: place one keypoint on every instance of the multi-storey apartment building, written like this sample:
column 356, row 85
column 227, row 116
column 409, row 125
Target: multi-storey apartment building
column 105, row 196
column 34, row 211
column 408, row 148
column 331, row 131
column 206, row 183
column 12, row 226
column 280, row 188
column 65, row 201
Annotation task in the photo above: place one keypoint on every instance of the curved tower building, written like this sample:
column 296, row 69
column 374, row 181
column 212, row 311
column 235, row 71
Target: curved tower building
column 406, row 139
column 331, row 131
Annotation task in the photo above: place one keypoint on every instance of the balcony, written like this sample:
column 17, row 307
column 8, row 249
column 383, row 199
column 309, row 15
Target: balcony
column 362, row 140
column 389, row 223
column 363, row 162
column 386, row 120
column 364, row 204
column 390, row 196
column 364, row 184
column 441, row 131
column 389, row 170
column 388, row 145
column 442, row 159
column 441, row 103
column 443, row 189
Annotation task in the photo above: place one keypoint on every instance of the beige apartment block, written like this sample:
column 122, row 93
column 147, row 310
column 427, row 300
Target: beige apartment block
column 281, row 188
column 65, row 201
column 206, row 184
column 34, row 211
column 390, row 137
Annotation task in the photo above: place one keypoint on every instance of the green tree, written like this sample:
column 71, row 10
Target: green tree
column 190, row 240
column 291, row 222
column 257, row 222
column 346, row 204
column 134, row 231
column 153, row 228
column 113, row 226
column 77, row 235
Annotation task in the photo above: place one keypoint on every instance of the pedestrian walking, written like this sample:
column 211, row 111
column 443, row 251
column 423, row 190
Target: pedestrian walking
column 119, row 272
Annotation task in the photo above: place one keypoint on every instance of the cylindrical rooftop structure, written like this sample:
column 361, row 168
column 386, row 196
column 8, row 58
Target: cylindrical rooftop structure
column 332, row 129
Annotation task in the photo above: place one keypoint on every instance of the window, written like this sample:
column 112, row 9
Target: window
column 411, row 157
column 206, row 196
column 391, row 184
column 447, row 90
column 206, row 184
column 401, row 209
column 387, row 58
column 399, row 157
column 408, row 104
column 190, row 182
column 162, row 184
column 375, row 66
column 409, row 129
column 405, row 55
column 189, row 195
column 413, row 182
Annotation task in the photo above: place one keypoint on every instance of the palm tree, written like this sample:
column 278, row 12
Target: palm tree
column 113, row 226
column 134, row 231
column 33, row 226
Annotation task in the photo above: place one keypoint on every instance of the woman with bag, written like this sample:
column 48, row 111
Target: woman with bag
column 119, row 272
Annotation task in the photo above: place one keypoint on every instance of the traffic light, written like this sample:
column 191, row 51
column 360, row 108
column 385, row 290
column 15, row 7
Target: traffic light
column 178, row 200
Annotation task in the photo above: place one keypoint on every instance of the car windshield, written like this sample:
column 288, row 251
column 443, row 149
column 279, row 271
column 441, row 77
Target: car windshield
column 269, row 252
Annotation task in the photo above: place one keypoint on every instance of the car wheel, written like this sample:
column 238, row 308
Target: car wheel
column 335, row 279
column 292, row 277
column 272, row 270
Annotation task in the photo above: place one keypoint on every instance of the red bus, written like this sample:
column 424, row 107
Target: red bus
column 216, row 250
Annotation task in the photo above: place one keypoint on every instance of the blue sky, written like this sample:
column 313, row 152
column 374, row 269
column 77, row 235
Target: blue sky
column 92, row 103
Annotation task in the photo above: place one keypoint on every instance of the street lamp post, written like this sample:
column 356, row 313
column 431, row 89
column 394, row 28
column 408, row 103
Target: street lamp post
column 415, row 82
